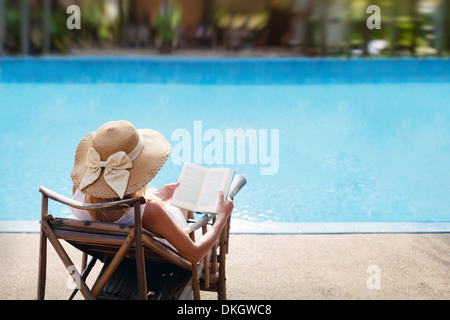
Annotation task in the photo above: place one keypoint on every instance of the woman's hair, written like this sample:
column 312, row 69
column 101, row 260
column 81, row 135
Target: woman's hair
column 103, row 215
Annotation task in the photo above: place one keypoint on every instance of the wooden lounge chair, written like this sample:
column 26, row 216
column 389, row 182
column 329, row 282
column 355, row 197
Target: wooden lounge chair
column 137, row 265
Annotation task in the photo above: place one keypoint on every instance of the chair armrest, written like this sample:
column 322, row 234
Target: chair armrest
column 199, row 224
column 121, row 204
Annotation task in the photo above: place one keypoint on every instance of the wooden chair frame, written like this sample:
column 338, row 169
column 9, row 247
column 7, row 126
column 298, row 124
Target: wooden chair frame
column 101, row 240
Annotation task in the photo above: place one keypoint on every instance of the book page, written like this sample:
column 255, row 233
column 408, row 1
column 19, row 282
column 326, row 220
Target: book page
column 218, row 179
column 188, row 192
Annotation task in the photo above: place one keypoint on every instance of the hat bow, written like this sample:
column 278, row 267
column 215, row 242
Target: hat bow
column 116, row 172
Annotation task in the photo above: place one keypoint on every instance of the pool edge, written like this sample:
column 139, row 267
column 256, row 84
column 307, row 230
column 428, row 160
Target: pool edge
column 246, row 227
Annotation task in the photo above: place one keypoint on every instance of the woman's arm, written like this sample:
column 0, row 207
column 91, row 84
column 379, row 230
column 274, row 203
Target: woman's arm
column 157, row 220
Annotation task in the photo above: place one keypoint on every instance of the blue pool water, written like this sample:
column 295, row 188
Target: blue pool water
column 347, row 141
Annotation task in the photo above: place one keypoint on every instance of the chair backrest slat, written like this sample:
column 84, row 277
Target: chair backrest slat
column 61, row 223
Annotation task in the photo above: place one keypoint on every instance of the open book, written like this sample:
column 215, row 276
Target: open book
column 199, row 188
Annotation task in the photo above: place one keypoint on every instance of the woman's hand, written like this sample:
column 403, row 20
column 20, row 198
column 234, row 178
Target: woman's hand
column 166, row 192
column 224, row 208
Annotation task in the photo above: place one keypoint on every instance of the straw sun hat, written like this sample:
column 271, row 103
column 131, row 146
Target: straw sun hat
column 118, row 160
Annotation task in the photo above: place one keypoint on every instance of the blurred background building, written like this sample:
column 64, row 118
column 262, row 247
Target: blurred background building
column 294, row 27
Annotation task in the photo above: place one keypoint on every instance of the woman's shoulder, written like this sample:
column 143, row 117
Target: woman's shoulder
column 153, row 206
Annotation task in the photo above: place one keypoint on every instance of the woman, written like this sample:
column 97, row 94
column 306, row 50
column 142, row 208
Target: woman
column 117, row 162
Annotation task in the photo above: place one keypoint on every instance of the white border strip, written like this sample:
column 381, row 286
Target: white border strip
column 245, row 227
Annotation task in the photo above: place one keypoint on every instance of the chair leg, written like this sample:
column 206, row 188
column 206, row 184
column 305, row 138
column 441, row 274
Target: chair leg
column 42, row 266
column 195, row 284
column 222, row 290
column 42, row 251
column 84, row 275
column 84, row 258
column 139, row 248
column 66, row 259
column 120, row 255
column 206, row 260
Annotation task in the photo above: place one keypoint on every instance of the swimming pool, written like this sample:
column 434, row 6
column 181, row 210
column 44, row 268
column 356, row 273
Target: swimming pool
column 329, row 145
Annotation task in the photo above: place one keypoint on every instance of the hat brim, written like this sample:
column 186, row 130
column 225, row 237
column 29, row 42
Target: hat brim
column 154, row 154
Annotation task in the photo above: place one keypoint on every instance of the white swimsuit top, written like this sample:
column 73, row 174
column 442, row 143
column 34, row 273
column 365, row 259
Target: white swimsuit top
column 128, row 217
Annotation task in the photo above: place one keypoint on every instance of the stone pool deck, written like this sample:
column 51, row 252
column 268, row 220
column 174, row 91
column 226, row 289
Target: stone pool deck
column 278, row 267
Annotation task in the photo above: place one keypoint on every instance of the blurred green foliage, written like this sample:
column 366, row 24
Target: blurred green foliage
column 166, row 23
column 409, row 27
column 97, row 27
